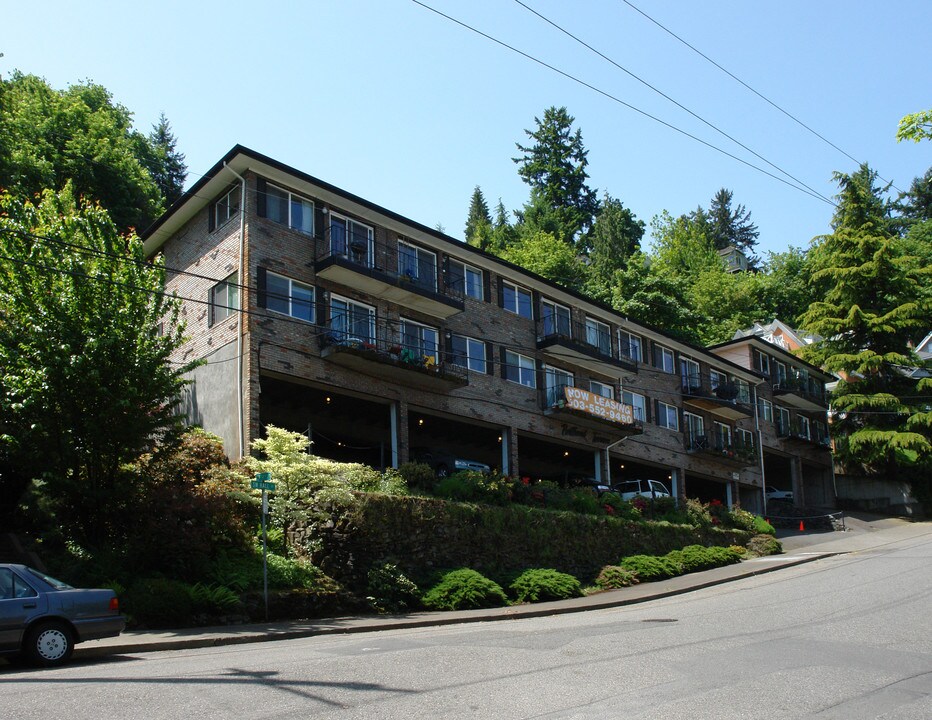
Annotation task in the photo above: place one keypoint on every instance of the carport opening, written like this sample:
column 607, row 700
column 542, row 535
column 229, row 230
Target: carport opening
column 558, row 462
column 443, row 436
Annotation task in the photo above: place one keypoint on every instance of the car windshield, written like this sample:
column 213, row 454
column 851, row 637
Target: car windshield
column 57, row 584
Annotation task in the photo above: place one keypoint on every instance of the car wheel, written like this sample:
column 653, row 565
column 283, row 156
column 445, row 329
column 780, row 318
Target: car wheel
column 442, row 471
column 48, row 644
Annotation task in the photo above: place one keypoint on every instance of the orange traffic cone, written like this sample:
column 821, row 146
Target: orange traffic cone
column 801, row 526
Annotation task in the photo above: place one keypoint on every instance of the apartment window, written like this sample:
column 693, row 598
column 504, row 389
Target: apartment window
column 765, row 408
column 352, row 240
column 744, row 438
column 600, row 388
column 689, row 374
column 804, row 430
column 630, row 346
column 225, row 208
column 637, row 402
column 783, row 420
column 468, row 353
column 556, row 379
column 722, row 436
column 419, row 339
column 517, row 300
column 667, row 416
column 779, row 374
column 289, row 209
column 744, row 391
column 224, row 299
column 351, row 321
column 520, row 369
column 465, row 279
column 418, row 265
column 717, row 379
column 598, row 335
column 556, row 319
column 663, row 359
column 695, row 431
column 761, row 362
column 286, row 296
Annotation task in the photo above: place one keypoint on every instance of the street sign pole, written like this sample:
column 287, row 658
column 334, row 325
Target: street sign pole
column 264, row 483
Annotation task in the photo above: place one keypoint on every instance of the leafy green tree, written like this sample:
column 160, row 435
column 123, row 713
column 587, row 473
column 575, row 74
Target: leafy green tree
column 654, row 297
column 85, row 379
column 682, row 245
column 915, row 126
column 544, row 254
column 731, row 227
column 165, row 163
column 554, row 166
column 81, row 135
column 479, row 221
column 724, row 302
column 616, row 236
column 874, row 306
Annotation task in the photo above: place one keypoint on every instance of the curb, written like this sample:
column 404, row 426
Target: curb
column 352, row 625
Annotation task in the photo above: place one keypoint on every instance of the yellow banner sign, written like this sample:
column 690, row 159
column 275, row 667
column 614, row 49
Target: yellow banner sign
column 598, row 406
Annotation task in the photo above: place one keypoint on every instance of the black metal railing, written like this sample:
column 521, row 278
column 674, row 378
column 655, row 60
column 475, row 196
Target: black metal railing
column 730, row 392
column 595, row 339
column 803, row 386
column 714, row 443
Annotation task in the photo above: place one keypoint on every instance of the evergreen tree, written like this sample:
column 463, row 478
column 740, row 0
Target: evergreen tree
column 732, row 227
column 616, row 236
column 555, row 168
column 479, row 221
column 165, row 163
column 874, row 306
column 915, row 205
column 504, row 234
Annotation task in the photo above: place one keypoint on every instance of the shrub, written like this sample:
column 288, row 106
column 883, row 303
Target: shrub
column 418, row 476
column 649, row 568
column 694, row 558
column 761, row 545
column 762, row 527
column 287, row 573
column 615, row 576
column 697, row 513
column 473, row 486
column 212, row 599
column 390, row 590
column 621, row 509
column 158, row 602
column 544, row 584
column 464, row 589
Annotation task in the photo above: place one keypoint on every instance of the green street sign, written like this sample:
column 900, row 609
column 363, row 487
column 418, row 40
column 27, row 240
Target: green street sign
column 262, row 485
column 264, row 477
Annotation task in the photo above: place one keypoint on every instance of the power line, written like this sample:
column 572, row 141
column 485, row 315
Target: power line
column 740, row 81
column 672, row 100
column 620, row 101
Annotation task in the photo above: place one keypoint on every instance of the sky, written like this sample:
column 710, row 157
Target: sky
column 391, row 101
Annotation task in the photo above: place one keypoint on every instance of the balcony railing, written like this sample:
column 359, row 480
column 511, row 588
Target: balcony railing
column 365, row 347
column 802, row 386
column 795, row 430
column 723, row 394
column 582, row 341
column 712, row 443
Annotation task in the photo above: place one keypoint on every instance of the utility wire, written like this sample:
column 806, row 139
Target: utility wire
column 672, row 100
column 761, row 96
column 615, row 99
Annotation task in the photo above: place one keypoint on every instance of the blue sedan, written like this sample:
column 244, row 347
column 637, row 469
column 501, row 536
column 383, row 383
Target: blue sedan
column 42, row 618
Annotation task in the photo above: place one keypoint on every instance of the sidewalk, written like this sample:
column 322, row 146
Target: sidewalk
column 864, row 533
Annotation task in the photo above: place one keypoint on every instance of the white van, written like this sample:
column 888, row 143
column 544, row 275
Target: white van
column 641, row 488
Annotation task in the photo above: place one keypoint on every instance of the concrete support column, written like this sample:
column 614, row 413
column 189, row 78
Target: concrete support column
column 796, row 477
column 510, row 451
column 678, row 485
column 599, row 464
column 729, row 495
column 398, row 417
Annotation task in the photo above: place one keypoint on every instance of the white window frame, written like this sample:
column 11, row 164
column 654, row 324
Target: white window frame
column 762, row 362
column 746, row 438
column 224, row 298
column 473, row 280
column 354, row 308
column 803, row 422
column 765, row 409
column 638, row 340
column 472, row 361
column 557, row 315
column 637, row 402
column 690, row 373
column 717, row 378
column 599, row 335
column 426, row 334
column 289, row 297
column 664, row 352
column 597, row 387
column 525, row 367
column 779, row 374
column 291, row 199
column 664, row 413
column 551, row 374
column 349, row 225
column 694, row 426
column 432, row 284
column 518, row 293
column 782, row 412
column 722, row 432
column 230, row 203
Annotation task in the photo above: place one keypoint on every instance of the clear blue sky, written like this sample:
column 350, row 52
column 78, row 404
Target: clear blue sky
column 411, row 111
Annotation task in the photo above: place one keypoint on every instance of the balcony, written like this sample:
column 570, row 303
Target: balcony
column 588, row 410
column 802, row 393
column 724, row 399
column 712, row 444
column 579, row 344
column 373, row 268
column 391, row 362
column 798, row 432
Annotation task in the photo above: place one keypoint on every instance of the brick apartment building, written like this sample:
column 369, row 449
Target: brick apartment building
column 321, row 312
